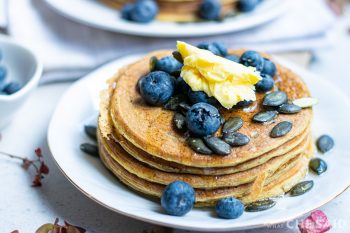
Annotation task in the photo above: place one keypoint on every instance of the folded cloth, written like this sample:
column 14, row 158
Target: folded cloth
column 69, row 49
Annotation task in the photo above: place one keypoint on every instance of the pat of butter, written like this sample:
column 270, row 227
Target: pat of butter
column 229, row 82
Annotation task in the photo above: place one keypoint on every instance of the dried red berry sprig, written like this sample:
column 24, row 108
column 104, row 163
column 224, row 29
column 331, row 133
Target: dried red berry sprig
column 40, row 168
column 57, row 228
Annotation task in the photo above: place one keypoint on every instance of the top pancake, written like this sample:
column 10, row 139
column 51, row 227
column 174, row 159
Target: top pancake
column 151, row 128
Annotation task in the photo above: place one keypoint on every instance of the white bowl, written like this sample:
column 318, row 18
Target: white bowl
column 23, row 67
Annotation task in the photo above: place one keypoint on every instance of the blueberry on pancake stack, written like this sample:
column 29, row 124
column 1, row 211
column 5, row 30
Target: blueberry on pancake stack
column 223, row 121
column 144, row 11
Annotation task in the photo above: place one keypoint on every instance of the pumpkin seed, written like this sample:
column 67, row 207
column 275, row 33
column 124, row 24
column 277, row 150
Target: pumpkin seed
column 177, row 55
column 305, row 102
column 217, row 145
column 174, row 102
column 263, row 117
column 180, row 121
column 318, row 166
column 91, row 131
column 275, row 99
column 236, row 139
column 152, row 63
column 301, row 188
column 260, row 205
column 281, row 129
column 89, row 149
column 222, row 120
column 198, row 145
column 325, row 143
column 289, row 108
column 184, row 106
column 232, row 124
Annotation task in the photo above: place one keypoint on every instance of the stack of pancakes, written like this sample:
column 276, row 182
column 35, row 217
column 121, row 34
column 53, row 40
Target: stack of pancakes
column 140, row 145
column 177, row 10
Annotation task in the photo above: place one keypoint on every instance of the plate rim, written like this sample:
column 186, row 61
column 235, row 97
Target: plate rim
column 280, row 60
column 284, row 6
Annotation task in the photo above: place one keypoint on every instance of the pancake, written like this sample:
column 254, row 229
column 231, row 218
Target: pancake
column 117, row 153
column 151, row 129
column 177, row 10
column 278, row 184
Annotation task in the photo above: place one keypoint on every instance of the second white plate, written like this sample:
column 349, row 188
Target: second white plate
column 96, row 14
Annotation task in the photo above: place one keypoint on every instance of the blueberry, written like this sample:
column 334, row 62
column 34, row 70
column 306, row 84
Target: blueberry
column 178, row 198
column 126, row 10
column 269, row 67
column 157, row 87
column 252, row 58
column 265, row 84
column 144, row 11
column 203, row 119
column 12, row 87
column 200, row 97
column 2, row 93
column 221, row 47
column 232, row 58
column 182, row 86
column 168, row 64
column 210, row 47
column 229, row 208
column 244, row 103
column 210, row 9
column 247, row 5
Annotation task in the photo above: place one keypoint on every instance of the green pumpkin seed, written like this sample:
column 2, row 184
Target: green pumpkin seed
column 91, row 131
column 152, row 63
column 177, row 55
column 89, row 149
column 217, row 145
column 263, row 117
column 301, row 188
column 174, row 102
column 198, row 146
column 235, row 139
column 305, row 102
column 260, row 205
column 180, row 121
column 275, row 99
column 289, row 108
column 281, row 129
column 232, row 124
column 318, row 166
column 325, row 143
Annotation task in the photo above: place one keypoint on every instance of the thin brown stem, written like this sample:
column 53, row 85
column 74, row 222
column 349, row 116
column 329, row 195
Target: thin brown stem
column 12, row 156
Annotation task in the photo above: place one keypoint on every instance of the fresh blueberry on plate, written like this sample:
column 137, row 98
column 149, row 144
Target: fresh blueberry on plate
column 210, row 47
column 200, row 96
column 221, row 47
column 210, row 9
column 269, row 68
column 247, row 5
column 126, row 10
column 252, row 58
column 233, row 58
column 203, row 119
column 157, row 87
column 265, row 84
column 178, row 198
column 168, row 64
column 244, row 103
column 229, row 208
column 12, row 87
column 144, row 11
column 3, row 73
column 182, row 86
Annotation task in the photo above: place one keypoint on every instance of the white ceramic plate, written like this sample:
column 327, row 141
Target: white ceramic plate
column 65, row 134
column 94, row 13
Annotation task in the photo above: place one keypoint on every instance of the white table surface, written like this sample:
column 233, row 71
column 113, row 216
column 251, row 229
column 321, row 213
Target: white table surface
column 25, row 208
